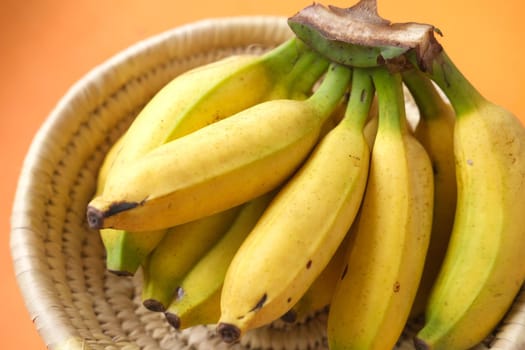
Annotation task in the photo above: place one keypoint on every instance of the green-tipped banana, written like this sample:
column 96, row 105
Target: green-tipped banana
column 359, row 37
column 483, row 268
column 126, row 251
column 198, row 297
column 372, row 300
column 219, row 166
column 435, row 131
column 179, row 250
column 303, row 226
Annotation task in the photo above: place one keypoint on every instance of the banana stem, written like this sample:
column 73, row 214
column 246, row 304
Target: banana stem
column 283, row 58
column 332, row 89
column 427, row 97
column 304, row 74
column 361, row 96
column 391, row 100
column 463, row 96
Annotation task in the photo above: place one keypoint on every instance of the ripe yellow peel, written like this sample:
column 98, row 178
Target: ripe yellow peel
column 471, row 286
column 372, row 301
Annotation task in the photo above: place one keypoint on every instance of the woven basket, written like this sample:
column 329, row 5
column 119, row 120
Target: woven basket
column 60, row 264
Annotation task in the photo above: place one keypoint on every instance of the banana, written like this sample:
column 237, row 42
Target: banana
column 302, row 227
column 209, row 93
column 198, row 296
column 372, row 300
column 220, row 166
column 195, row 99
column 483, row 268
column 435, row 131
column 179, row 250
column 319, row 294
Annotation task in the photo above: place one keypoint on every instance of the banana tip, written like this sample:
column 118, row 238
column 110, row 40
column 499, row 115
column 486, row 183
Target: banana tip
column 228, row 332
column 95, row 218
column 172, row 319
column 153, row 305
column 420, row 344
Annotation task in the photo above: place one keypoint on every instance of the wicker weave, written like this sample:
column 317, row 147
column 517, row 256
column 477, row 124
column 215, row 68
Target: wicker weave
column 60, row 264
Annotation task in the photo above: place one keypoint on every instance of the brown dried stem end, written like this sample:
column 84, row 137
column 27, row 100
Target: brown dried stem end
column 361, row 26
column 173, row 320
column 153, row 305
column 229, row 332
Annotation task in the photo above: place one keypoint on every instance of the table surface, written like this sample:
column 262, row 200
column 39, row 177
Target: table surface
column 45, row 46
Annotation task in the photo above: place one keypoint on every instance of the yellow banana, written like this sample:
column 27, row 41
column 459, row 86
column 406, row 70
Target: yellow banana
column 209, row 93
column 222, row 165
column 483, row 268
column 319, row 294
column 198, row 296
column 192, row 100
column 177, row 253
column 372, row 300
column 302, row 227
column 435, row 131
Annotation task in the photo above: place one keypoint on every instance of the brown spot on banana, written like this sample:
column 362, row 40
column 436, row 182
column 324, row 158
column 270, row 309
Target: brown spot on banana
column 397, row 287
column 260, row 303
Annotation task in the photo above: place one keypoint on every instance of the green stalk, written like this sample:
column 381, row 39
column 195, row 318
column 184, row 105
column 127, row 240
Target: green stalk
column 463, row 96
column 298, row 82
column 361, row 97
column 332, row 89
column 425, row 94
column 391, row 100
column 282, row 58
column 306, row 77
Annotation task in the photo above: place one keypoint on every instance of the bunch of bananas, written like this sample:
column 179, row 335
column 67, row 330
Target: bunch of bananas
column 259, row 188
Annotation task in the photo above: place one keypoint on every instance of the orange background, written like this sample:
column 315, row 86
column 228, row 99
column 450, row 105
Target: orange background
column 46, row 45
